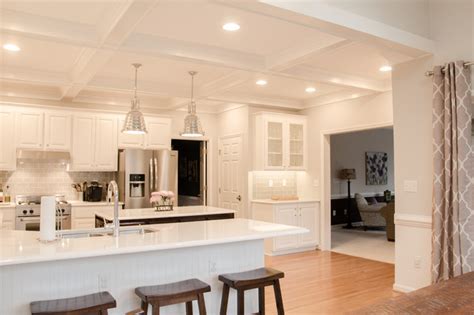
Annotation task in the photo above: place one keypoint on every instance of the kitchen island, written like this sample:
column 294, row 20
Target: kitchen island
column 147, row 216
column 30, row 270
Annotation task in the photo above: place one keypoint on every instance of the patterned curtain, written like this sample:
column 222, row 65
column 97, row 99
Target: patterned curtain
column 453, row 189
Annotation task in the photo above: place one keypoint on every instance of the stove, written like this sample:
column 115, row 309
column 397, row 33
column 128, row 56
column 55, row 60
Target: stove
column 28, row 211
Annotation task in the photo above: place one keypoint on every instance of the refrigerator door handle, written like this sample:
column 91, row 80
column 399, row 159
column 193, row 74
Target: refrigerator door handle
column 151, row 176
column 155, row 174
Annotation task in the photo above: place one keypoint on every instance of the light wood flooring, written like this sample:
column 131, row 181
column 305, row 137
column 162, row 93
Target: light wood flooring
column 329, row 283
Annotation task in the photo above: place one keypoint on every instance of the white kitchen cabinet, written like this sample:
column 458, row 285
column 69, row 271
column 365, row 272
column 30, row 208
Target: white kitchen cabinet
column 280, row 142
column 8, row 222
column 298, row 213
column 29, row 129
column 159, row 133
column 94, row 143
column 158, row 136
column 57, row 131
column 7, row 145
column 106, row 155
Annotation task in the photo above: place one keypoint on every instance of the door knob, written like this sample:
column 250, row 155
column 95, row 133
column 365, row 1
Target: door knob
column 239, row 198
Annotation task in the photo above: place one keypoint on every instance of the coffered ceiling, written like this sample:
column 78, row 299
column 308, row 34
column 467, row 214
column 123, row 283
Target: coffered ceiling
column 81, row 51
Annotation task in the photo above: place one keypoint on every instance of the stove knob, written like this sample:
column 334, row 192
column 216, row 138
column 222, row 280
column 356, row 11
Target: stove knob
column 62, row 210
column 25, row 212
column 31, row 211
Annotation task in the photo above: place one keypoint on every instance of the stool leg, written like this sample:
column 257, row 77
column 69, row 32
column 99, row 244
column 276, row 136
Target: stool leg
column 201, row 304
column 261, row 301
column 145, row 307
column 103, row 312
column 240, row 302
column 279, row 300
column 189, row 308
column 155, row 309
column 225, row 299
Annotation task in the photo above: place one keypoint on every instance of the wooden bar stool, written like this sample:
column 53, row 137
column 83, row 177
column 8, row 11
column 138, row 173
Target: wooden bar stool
column 97, row 303
column 173, row 293
column 252, row 279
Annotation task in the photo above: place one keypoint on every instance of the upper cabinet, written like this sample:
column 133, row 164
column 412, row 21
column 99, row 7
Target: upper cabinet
column 39, row 130
column 29, row 130
column 158, row 136
column 94, row 143
column 57, row 131
column 280, row 142
column 8, row 147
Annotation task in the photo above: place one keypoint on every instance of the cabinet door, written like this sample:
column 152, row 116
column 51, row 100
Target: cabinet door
column 296, row 145
column 106, row 151
column 307, row 219
column 159, row 133
column 57, row 130
column 286, row 215
column 29, row 132
column 8, row 222
column 274, row 144
column 127, row 140
column 83, row 134
column 8, row 147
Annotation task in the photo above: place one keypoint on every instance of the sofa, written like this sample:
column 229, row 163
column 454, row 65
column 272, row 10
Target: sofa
column 370, row 213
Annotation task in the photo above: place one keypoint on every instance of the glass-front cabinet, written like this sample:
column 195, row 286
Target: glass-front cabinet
column 280, row 142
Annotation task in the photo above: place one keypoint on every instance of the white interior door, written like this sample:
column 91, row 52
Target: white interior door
column 230, row 173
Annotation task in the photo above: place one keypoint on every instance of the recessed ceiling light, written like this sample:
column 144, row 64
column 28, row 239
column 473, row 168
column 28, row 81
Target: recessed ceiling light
column 231, row 27
column 310, row 89
column 385, row 68
column 261, row 82
column 11, row 47
column 355, row 95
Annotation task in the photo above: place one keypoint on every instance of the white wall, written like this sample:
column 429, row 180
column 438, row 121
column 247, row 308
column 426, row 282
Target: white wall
column 348, row 151
column 452, row 30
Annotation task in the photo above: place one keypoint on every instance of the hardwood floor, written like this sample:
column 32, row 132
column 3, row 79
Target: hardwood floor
column 329, row 283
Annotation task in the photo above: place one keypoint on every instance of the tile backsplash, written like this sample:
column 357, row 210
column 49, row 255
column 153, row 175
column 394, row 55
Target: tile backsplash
column 274, row 183
column 48, row 177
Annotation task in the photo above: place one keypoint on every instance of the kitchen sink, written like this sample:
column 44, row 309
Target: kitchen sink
column 101, row 232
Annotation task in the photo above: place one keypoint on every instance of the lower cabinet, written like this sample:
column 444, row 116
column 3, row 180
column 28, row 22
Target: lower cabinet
column 8, row 220
column 302, row 214
column 83, row 217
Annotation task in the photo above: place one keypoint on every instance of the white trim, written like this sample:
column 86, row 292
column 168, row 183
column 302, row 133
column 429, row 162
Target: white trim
column 402, row 288
column 413, row 220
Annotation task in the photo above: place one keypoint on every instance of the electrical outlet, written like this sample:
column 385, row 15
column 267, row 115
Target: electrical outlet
column 417, row 262
column 316, row 183
column 333, row 213
column 103, row 283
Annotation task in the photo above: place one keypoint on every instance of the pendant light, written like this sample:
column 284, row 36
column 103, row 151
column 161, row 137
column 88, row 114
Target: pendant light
column 192, row 125
column 134, row 121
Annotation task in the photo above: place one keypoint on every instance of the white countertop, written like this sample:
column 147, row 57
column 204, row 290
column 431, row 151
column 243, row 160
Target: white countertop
column 270, row 201
column 7, row 205
column 150, row 213
column 19, row 247
column 77, row 203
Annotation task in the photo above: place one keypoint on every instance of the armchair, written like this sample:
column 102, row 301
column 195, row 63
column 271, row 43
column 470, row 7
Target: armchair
column 370, row 214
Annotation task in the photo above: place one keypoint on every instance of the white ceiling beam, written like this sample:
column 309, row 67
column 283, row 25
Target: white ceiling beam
column 31, row 76
column 257, row 100
column 225, row 83
column 335, row 97
column 114, row 28
column 309, row 73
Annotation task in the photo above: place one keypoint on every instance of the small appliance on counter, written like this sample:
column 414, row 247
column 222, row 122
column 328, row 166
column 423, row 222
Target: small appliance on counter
column 93, row 192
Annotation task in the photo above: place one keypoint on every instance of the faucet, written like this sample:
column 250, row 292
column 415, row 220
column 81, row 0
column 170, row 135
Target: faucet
column 113, row 190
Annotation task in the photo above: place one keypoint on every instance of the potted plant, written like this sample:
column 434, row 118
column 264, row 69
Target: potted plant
column 162, row 200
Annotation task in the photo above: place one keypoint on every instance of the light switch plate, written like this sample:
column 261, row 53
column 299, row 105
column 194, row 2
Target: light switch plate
column 410, row 186
column 316, row 183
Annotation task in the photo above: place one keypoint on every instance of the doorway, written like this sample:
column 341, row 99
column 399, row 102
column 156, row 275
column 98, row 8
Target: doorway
column 192, row 171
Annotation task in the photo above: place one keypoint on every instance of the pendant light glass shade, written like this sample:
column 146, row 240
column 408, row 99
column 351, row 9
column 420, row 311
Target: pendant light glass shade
column 134, row 121
column 192, row 125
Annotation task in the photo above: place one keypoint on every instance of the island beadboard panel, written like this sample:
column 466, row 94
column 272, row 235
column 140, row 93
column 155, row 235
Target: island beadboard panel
column 121, row 274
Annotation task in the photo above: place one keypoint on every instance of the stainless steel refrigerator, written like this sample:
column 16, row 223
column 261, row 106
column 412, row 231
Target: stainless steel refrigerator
column 142, row 172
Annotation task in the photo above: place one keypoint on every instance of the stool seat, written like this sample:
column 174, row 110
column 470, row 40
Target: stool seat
column 86, row 304
column 251, row 277
column 173, row 293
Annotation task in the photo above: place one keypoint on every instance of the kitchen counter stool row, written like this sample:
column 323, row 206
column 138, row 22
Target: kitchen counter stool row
column 172, row 293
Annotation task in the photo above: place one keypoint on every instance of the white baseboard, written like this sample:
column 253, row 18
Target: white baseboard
column 402, row 288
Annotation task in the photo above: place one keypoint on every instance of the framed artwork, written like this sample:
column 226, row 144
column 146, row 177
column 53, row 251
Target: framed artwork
column 376, row 168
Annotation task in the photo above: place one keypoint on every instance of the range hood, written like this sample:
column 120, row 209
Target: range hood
column 29, row 155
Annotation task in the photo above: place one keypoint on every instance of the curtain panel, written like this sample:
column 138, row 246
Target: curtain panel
column 453, row 187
